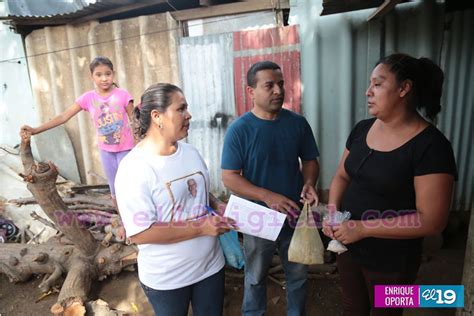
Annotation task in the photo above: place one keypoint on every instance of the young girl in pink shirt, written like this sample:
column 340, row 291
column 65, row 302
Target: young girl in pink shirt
column 111, row 111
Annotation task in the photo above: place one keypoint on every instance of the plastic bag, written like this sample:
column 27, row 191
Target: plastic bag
column 8, row 230
column 306, row 246
column 230, row 245
column 335, row 218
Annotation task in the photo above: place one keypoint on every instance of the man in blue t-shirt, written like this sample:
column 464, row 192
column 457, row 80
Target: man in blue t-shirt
column 261, row 162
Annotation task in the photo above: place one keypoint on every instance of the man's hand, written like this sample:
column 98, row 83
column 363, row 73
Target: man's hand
column 280, row 203
column 308, row 194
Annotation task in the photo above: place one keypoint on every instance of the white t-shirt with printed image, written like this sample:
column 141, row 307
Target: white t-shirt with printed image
column 152, row 188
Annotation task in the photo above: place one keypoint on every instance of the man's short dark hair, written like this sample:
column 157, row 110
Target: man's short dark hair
column 261, row 65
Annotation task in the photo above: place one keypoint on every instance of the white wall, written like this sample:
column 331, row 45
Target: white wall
column 17, row 106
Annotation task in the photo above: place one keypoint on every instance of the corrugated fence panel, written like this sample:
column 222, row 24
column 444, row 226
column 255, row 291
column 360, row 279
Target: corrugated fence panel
column 339, row 52
column 207, row 76
column 458, row 100
column 281, row 45
column 334, row 58
column 143, row 50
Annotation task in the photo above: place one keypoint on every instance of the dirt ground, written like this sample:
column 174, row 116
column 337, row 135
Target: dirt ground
column 123, row 292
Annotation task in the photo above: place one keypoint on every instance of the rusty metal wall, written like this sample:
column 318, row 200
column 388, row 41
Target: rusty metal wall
column 143, row 50
column 281, row 45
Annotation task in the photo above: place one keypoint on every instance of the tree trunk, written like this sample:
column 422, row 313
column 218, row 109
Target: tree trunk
column 82, row 263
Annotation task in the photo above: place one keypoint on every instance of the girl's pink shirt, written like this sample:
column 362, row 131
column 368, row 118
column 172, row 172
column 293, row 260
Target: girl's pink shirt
column 110, row 119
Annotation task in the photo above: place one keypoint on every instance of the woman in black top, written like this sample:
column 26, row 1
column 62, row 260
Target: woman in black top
column 396, row 178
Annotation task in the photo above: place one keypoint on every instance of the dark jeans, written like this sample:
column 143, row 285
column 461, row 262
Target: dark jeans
column 357, row 285
column 206, row 297
column 258, row 258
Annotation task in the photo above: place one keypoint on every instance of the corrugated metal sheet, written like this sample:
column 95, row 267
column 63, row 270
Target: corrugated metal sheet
column 143, row 50
column 457, row 118
column 339, row 52
column 47, row 7
column 207, row 76
column 211, row 75
column 27, row 11
column 59, row 12
column 280, row 45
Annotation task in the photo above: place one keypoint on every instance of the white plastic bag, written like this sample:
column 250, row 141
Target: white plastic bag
column 334, row 218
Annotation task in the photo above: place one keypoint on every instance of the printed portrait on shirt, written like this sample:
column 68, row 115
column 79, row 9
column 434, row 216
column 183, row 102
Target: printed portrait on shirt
column 189, row 196
column 192, row 188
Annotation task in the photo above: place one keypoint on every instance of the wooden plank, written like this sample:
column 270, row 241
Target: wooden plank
column 34, row 21
column 229, row 9
column 122, row 9
column 341, row 6
column 207, row 3
column 82, row 188
column 385, row 8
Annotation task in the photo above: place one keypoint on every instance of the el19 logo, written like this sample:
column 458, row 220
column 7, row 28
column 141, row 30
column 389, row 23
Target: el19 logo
column 441, row 295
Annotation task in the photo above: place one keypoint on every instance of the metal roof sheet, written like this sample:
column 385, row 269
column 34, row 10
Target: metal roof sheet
column 30, row 13
column 52, row 8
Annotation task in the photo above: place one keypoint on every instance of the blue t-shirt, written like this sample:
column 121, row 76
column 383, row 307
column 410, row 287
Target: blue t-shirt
column 267, row 151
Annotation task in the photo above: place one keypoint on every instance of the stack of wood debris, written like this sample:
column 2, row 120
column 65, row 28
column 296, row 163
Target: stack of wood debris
column 89, row 205
column 83, row 251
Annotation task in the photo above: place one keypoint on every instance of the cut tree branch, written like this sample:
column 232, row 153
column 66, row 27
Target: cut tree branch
column 82, row 262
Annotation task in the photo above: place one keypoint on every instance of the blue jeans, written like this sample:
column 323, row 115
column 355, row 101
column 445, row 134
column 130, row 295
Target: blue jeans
column 258, row 257
column 206, row 297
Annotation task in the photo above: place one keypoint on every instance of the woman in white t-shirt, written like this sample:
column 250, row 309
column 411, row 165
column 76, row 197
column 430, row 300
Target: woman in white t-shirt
column 179, row 260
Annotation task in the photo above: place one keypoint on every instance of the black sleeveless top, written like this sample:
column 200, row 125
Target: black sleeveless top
column 382, row 185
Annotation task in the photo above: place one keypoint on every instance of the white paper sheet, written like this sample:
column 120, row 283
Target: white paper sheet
column 254, row 219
